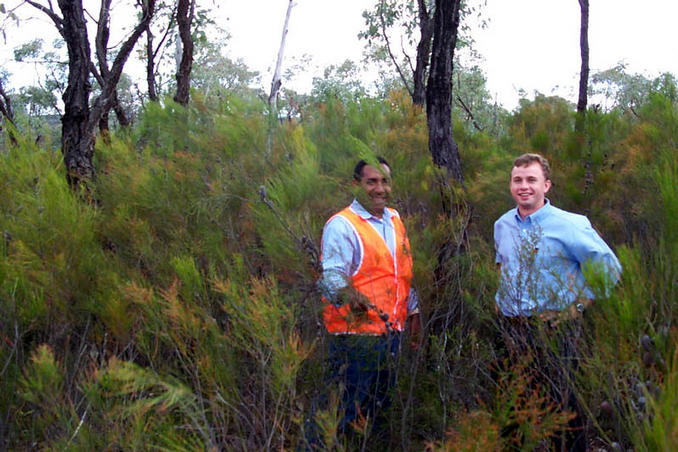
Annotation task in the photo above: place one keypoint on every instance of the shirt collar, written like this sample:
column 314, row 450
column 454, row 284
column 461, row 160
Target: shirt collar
column 365, row 214
column 538, row 215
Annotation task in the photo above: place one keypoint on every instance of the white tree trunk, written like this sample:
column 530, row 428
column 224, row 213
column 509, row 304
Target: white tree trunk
column 276, row 83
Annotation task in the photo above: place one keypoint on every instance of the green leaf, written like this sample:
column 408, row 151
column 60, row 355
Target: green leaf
column 28, row 50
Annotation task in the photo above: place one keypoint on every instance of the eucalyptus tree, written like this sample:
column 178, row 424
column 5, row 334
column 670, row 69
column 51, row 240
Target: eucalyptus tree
column 400, row 34
column 80, row 119
column 408, row 18
column 103, row 74
column 175, row 38
column 164, row 20
column 339, row 82
column 618, row 90
column 429, row 80
column 217, row 76
column 51, row 66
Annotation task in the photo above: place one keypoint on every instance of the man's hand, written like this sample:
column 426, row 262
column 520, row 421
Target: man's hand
column 358, row 302
column 573, row 311
column 552, row 317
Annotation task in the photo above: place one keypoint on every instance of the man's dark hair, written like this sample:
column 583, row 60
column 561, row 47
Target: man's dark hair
column 358, row 170
column 528, row 159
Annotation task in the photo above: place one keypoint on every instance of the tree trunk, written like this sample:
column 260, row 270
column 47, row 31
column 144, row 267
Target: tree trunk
column 77, row 141
column 110, row 77
column 7, row 113
column 583, row 92
column 79, row 122
column 442, row 146
column 445, row 153
column 423, row 54
column 276, row 83
column 150, row 65
column 184, row 19
column 584, row 45
column 152, row 53
column 120, row 112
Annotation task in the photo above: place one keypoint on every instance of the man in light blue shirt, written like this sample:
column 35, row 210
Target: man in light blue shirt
column 541, row 250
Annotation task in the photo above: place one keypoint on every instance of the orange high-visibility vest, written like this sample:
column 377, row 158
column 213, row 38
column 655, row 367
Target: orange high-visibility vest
column 384, row 279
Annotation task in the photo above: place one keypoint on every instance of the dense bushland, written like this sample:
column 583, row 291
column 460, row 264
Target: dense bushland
column 173, row 306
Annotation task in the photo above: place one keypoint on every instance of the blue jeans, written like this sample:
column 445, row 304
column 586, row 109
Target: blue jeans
column 366, row 368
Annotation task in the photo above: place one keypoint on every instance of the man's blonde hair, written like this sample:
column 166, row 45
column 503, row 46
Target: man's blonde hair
column 528, row 159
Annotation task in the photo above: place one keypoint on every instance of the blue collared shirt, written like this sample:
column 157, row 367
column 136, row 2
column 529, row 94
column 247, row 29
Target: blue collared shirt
column 542, row 257
column 341, row 252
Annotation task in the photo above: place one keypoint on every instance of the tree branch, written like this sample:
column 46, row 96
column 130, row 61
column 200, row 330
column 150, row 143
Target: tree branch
column 423, row 52
column 96, row 74
column 103, row 32
column 106, row 100
column 276, row 83
column 388, row 48
column 6, row 110
column 407, row 57
column 58, row 21
column 469, row 113
column 167, row 31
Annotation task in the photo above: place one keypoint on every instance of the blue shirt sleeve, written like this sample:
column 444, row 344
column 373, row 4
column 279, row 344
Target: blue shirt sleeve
column 587, row 246
column 340, row 256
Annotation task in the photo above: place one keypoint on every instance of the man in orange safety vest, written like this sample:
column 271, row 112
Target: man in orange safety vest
column 368, row 297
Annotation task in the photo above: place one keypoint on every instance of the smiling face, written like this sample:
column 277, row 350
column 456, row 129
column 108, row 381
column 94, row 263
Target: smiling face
column 375, row 189
column 529, row 187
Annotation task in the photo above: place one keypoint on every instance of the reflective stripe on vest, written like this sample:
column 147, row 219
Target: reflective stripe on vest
column 383, row 278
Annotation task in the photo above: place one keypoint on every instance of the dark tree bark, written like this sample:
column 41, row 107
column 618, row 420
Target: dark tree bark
column 77, row 139
column 150, row 65
column 185, row 9
column 445, row 153
column 6, row 111
column 584, row 45
column 442, row 146
column 108, row 98
column 101, row 41
column 120, row 114
column 79, row 122
column 423, row 55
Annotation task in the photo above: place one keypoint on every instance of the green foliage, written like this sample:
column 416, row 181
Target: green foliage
column 141, row 407
column 219, row 77
column 340, row 82
column 177, row 309
column 660, row 429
